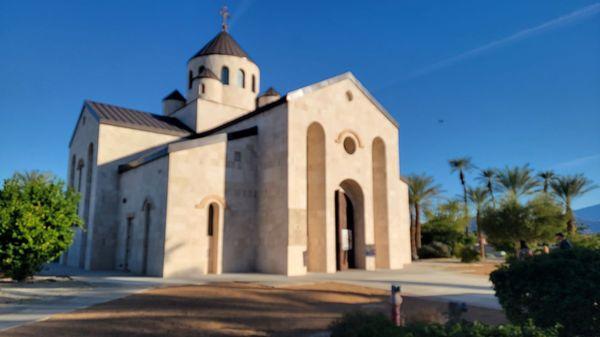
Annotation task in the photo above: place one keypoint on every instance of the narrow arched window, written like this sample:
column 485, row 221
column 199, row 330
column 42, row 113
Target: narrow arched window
column 225, row 75
column 190, row 78
column 203, row 88
column 211, row 219
column 200, row 69
column 241, row 78
column 253, row 83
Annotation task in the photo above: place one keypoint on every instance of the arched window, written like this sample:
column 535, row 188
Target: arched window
column 241, row 78
column 190, row 79
column 146, row 208
column 203, row 88
column 200, row 69
column 211, row 219
column 225, row 75
column 253, row 83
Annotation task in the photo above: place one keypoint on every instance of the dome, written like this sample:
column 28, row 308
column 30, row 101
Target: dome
column 222, row 44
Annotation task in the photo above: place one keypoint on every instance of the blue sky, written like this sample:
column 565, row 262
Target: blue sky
column 513, row 81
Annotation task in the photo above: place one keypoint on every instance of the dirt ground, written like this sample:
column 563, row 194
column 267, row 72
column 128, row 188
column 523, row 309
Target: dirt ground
column 231, row 309
column 478, row 268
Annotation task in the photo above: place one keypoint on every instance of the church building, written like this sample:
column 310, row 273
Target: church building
column 228, row 179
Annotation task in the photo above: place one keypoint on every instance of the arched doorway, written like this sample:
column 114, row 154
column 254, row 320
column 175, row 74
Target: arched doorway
column 212, row 233
column 315, row 199
column 350, row 226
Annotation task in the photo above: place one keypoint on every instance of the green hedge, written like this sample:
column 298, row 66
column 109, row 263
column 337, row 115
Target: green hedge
column 560, row 287
column 434, row 250
column 361, row 324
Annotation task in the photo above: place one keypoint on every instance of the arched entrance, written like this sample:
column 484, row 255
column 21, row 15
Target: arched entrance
column 350, row 226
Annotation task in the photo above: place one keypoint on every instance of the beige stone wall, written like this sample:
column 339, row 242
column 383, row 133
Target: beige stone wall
column 272, row 193
column 196, row 179
column 116, row 146
column 341, row 117
column 144, row 185
column 86, row 133
column 233, row 95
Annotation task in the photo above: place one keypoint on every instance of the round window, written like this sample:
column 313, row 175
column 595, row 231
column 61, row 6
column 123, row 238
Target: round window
column 349, row 145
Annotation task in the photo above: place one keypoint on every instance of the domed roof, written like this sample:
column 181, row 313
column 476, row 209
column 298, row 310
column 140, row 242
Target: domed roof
column 222, row 44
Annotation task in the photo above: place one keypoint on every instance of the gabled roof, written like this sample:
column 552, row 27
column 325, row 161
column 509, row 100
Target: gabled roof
column 175, row 95
column 207, row 73
column 222, row 44
column 271, row 92
column 135, row 119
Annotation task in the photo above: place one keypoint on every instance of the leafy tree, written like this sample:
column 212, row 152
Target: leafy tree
column 510, row 222
column 568, row 188
column 479, row 197
column 462, row 165
column 516, row 181
column 488, row 177
column 37, row 216
column 547, row 177
column 421, row 189
column 445, row 224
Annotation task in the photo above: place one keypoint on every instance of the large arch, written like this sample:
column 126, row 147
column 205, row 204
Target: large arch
column 380, row 204
column 350, row 209
column 86, row 205
column 315, row 199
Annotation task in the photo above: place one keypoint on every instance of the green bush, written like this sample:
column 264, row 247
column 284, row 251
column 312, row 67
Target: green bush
column 469, row 254
column 434, row 250
column 560, row 287
column 591, row 241
column 360, row 324
column 36, row 219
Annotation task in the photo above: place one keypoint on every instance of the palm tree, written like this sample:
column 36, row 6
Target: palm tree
column 421, row 189
column 547, row 177
column 479, row 198
column 568, row 188
column 516, row 181
column 488, row 176
column 462, row 165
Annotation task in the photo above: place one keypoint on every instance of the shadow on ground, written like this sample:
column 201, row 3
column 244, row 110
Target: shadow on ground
column 230, row 309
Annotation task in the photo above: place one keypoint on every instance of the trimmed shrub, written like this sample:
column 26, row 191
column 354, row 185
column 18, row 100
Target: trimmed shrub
column 360, row 324
column 468, row 254
column 434, row 250
column 561, row 287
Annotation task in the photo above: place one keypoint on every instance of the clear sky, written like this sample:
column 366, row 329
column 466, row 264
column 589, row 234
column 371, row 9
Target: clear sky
column 505, row 82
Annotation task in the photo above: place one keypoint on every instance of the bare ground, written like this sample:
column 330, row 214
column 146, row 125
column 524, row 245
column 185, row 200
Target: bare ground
column 232, row 309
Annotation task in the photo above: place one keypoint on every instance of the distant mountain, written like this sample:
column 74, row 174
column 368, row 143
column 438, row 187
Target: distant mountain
column 590, row 217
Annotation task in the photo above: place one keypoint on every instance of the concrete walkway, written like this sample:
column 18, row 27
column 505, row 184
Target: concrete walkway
column 423, row 279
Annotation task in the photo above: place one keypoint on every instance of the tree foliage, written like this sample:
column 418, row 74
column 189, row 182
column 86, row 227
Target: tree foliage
column 568, row 188
column 37, row 216
column 445, row 224
column 560, row 287
column 516, row 181
column 511, row 221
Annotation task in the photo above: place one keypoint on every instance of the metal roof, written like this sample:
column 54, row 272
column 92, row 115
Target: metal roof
column 175, row 95
column 222, row 44
column 207, row 73
column 135, row 119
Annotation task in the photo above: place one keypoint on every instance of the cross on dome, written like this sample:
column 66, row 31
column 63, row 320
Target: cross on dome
column 224, row 12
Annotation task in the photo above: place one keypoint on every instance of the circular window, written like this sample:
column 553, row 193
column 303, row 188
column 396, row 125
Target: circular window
column 349, row 145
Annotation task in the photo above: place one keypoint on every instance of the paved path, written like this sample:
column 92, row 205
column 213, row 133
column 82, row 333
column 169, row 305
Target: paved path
column 423, row 279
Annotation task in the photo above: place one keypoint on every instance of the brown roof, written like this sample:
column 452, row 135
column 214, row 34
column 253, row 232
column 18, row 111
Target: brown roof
column 207, row 73
column 222, row 44
column 135, row 119
column 175, row 95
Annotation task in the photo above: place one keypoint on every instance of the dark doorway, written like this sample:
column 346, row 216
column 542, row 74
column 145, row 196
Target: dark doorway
column 345, row 233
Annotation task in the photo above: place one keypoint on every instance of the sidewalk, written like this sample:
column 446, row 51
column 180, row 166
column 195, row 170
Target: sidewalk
column 422, row 279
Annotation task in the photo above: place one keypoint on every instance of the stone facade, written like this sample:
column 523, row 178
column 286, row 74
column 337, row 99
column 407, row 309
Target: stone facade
column 304, row 182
